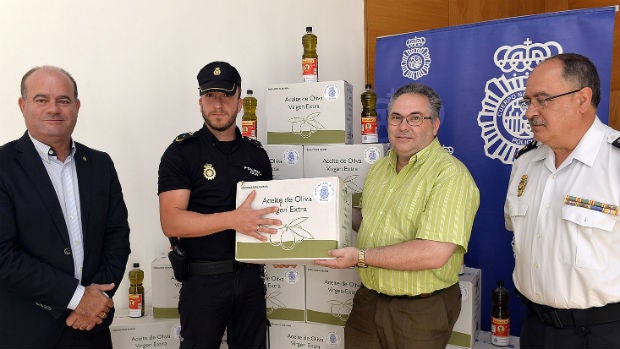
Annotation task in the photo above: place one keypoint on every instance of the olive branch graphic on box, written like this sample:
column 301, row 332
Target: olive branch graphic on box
column 291, row 231
column 340, row 309
column 273, row 301
column 305, row 126
column 350, row 183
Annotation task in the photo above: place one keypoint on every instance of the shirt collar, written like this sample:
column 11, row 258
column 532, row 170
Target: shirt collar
column 585, row 151
column 421, row 156
column 45, row 151
column 590, row 144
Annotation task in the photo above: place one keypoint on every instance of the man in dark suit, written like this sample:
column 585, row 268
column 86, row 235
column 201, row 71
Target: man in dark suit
column 64, row 235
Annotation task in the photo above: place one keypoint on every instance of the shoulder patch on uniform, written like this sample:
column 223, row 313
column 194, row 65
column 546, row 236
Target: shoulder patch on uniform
column 616, row 143
column 530, row 146
column 184, row 136
column 253, row 142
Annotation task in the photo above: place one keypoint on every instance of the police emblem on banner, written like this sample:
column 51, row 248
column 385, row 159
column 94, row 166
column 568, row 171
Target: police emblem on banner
column 416, row 60
column 504, row 127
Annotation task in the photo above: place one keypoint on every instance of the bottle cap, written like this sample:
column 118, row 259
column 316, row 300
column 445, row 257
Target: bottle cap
column 368, row 86
column 136, row 265
column 250, row 92
column 308, row 29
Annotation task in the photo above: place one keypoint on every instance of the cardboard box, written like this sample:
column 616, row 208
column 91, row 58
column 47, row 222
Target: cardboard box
column 165, row 289
column 350, row 162
column 467, row 326
column 299, row 335
column 329, row 294
column 315, row 215
column 145, row 332
column 310, row 113
column 286, row 160
column 285, row 293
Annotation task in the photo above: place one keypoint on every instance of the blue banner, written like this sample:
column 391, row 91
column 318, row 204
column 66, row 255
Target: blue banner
column 480, row 70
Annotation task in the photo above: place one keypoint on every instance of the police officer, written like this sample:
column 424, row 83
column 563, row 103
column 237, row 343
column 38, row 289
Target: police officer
column 198, row 174
column 562, row 206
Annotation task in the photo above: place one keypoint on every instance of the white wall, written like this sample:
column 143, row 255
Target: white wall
column 136, row 62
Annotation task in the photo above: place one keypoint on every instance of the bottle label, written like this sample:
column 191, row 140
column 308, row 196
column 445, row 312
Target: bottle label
column 248, row 129
column 310, row 67
column 500, row 331
column 369, row 129
column 135, row 305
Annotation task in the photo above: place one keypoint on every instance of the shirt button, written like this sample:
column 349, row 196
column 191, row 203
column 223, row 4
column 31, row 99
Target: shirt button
column 67, row 251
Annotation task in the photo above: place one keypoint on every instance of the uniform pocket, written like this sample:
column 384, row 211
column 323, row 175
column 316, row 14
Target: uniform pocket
column 584, row 241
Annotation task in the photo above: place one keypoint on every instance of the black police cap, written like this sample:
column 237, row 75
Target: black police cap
column 219, row 77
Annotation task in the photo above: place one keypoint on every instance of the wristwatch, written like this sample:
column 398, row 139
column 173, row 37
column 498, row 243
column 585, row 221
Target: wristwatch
column 361, row 258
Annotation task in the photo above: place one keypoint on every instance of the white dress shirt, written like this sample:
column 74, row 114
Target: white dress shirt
column 567, row 256
column 64, row 179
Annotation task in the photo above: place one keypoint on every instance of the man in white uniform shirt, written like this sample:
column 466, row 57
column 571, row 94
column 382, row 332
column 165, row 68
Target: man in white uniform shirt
column 562, row 205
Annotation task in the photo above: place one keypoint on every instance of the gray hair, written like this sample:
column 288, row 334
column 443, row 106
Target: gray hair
column 579, row 69
column 433, row 98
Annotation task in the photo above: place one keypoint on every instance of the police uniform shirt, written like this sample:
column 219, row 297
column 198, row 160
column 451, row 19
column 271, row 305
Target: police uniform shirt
column 567, row 251
column 210, row 169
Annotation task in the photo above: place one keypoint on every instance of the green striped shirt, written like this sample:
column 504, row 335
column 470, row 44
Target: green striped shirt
column 433, row 197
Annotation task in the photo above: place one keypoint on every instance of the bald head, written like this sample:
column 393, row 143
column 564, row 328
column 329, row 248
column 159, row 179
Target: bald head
column 24, row 88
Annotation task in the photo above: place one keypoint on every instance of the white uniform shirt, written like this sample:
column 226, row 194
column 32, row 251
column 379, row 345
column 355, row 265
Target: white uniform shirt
column 567, row 256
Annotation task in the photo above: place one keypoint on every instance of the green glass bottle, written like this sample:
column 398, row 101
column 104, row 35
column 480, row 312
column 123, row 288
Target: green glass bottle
column 249, row 121
column 136, row 291
column 369, row 116
column 310, row 59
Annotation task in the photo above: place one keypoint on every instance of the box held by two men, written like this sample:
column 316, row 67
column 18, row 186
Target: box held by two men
column 315, row 214
column 310, row 113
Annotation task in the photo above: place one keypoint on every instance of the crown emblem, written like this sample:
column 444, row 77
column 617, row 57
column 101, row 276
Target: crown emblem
column 523, row 58
column 217, row 71
column 416, row 42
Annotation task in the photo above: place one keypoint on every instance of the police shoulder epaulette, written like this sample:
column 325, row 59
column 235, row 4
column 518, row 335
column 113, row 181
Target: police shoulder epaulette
column 253, row 142
column 184, row 136
column 614, row 139
column 530, row 146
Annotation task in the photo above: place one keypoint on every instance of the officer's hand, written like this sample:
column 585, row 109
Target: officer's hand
column 252, row 222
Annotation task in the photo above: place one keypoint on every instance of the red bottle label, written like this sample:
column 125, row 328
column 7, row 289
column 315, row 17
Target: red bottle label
column 248, row 129
column 500, row 331
column 135, row 305
column 309, row 67
column 369, row 125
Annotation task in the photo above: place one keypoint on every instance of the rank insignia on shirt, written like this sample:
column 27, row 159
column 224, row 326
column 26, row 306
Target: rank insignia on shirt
column 208, row 171
column 180, row 138
column 522, row 184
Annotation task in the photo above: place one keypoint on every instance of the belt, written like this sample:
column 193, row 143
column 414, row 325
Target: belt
column 206, row 267
column 560, row 318
column 418, row 296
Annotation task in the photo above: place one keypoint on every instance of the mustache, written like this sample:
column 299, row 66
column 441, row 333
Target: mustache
column 536, row 121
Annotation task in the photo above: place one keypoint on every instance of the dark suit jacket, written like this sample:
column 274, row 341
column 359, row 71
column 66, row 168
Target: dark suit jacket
column 36, row 265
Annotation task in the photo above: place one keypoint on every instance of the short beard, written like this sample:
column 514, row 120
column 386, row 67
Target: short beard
column 219, row 129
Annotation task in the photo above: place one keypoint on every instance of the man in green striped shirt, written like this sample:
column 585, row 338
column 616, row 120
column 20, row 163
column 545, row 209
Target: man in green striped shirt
column 417, row 211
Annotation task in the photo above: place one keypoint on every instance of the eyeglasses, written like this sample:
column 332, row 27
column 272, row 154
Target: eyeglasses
column 541, row 103
column 412, row 119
